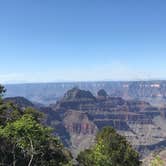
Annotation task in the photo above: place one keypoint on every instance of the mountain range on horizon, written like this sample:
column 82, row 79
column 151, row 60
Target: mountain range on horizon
column 47, row 93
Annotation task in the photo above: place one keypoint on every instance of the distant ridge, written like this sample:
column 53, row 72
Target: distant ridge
column 47, row 93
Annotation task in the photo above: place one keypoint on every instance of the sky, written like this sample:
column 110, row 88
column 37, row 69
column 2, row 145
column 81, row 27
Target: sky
column 82, row 40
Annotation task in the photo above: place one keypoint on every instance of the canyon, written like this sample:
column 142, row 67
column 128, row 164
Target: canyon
column 77, row 116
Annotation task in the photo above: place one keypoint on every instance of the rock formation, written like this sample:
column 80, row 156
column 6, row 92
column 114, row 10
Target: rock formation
column 83, row 114
column 78, row 116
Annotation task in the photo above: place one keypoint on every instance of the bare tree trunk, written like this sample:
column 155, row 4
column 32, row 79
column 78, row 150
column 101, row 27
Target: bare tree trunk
column 32, row 151
column 14, row 156
column 30, row 162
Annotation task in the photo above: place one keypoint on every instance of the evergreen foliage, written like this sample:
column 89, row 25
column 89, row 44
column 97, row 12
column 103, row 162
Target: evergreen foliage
column 25, row 140
column 111, row 149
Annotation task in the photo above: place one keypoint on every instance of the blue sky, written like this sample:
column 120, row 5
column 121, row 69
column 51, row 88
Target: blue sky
column 81, row 40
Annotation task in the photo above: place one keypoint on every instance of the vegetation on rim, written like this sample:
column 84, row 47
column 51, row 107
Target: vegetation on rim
column 26, row 141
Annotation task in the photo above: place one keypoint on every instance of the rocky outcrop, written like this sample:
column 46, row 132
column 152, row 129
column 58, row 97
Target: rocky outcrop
column 21, row 102
column 102, row 95
column 75, row 99
column 78, row 95
column 83, row 114
column 159, row 156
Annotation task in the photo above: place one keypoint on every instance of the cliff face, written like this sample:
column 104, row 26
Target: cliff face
column 83, row 115
column 77, row 122
column 81, row 128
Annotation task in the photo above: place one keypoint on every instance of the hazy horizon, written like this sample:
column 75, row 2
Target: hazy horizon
column 83, row 81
